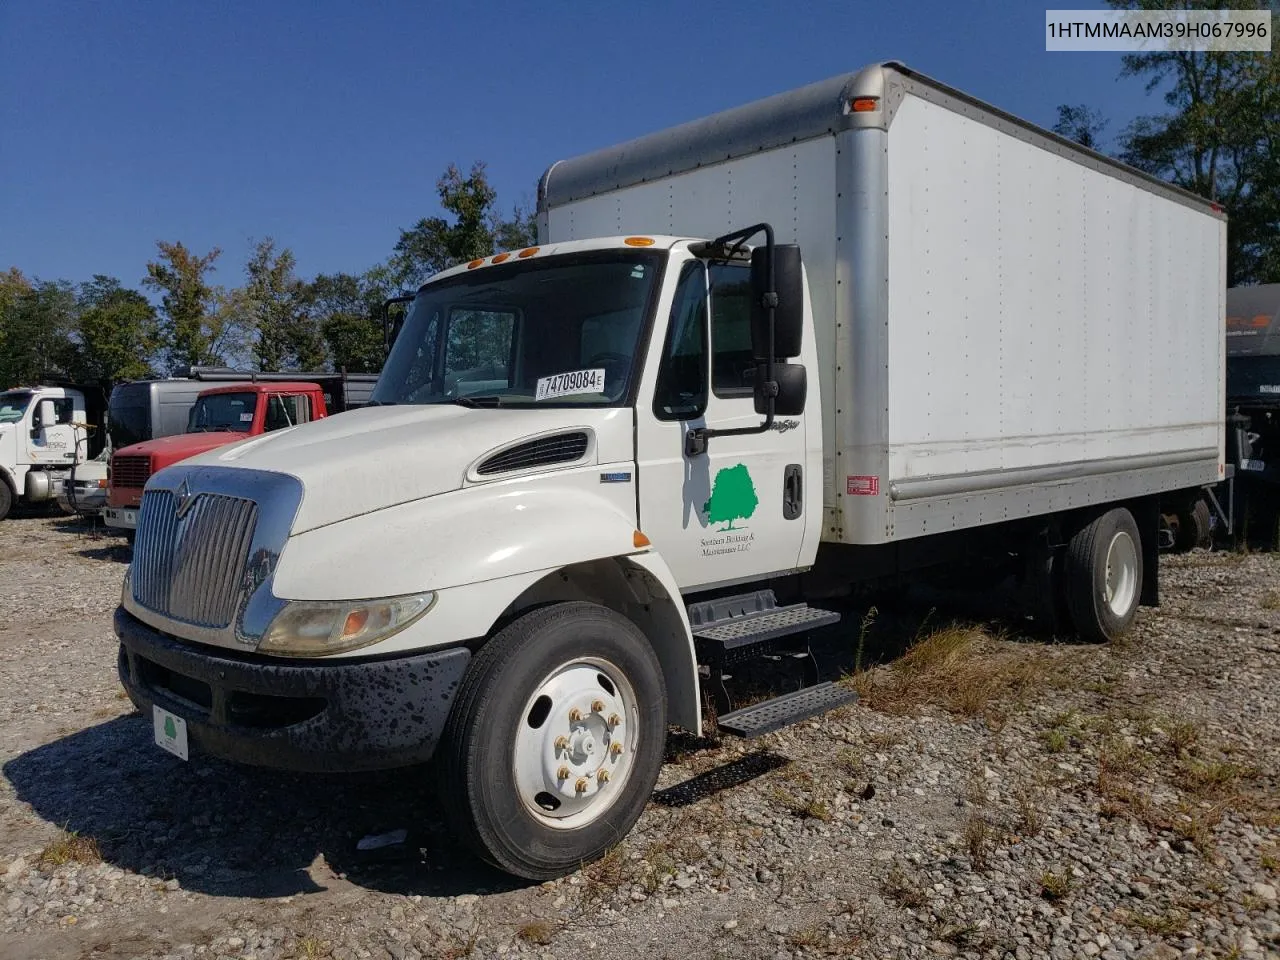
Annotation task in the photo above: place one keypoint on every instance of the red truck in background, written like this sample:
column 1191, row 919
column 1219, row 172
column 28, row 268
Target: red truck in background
column 221, row 415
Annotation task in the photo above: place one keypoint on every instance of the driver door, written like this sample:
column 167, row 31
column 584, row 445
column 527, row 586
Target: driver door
column 734, row 512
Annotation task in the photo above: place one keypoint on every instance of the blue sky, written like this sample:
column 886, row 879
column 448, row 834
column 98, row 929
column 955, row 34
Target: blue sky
column 326, row 124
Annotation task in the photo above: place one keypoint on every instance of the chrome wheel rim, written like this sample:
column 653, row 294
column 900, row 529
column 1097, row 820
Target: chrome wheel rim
column 1120, row 582
column 576, row 742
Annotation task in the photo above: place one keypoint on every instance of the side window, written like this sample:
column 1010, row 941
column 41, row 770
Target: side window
column 478, row 351
column 287, row 411
column 732, row 365
column 681, row 392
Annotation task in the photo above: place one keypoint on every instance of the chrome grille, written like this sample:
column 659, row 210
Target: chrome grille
column 190, row 567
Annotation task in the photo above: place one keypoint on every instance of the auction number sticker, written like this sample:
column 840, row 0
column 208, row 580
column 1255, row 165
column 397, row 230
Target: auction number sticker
column 569, row 384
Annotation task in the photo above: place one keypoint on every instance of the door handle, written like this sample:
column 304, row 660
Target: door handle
column 792, row 492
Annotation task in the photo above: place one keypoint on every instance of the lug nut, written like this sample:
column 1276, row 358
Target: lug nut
column 603, row 776
column 575, row 715
column 597, row 706
column 563, row 773
column 614, row 719
column 562, row 743
column 581, row 785
column 616, row 749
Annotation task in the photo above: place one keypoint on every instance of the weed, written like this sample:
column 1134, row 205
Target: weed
column 823, row 940
column 867, row 621
column 903, row 889
column 1183, row 736
column 1271, row 600
column 1055, row 740
column 1166, row 924
column 537, row 932
column 1212, row 778
column 1122, row 758
column 849, row 760
column 1054, row 886
column 71, row 848
column 815, row 810
column 1029, row 815
column 978, row 840
column 1270, row 860
column 312, row 948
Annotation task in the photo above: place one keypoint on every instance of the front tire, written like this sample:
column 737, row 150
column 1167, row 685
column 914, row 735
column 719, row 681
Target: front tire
column 1103, row 576
column 555, row 740
column 6, row 499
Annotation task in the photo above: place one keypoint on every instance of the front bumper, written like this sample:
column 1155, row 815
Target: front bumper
column 125, row 518
column 327, row 716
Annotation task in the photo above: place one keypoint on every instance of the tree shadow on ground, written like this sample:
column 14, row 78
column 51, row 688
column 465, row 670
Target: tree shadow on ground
column 227, row 830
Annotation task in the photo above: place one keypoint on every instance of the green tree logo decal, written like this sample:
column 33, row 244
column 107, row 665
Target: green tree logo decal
column 733, row 497
column 170, row 728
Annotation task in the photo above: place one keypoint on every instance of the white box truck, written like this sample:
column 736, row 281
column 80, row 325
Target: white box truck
column 835, row 335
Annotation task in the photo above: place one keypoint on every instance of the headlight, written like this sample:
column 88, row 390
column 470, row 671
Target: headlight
column 313, row 629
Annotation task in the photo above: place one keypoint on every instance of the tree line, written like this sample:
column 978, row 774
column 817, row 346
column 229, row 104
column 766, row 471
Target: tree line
column 1219, row 137
column 102, row 331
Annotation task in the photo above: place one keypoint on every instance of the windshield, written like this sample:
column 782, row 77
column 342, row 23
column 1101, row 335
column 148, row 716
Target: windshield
column 223, row 411
column 13, row 403
column 129, row 415
column 555, row 332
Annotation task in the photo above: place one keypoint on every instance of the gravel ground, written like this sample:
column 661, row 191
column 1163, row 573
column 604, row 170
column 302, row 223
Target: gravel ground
column 986, row 798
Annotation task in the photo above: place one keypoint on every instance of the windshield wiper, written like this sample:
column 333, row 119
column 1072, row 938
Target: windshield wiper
column 473, row 402
column 381, row 403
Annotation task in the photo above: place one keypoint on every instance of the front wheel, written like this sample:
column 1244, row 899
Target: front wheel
column 6, row 499
column 555, row 740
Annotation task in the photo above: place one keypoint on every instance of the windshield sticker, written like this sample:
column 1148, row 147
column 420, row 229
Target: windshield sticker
column 568, row 384
column 246, row 418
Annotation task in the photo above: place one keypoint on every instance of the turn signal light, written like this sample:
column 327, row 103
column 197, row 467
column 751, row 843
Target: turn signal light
column 864, row 104
column 640, row 540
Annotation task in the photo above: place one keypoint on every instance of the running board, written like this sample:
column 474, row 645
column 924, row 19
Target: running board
column 771, row 715
column 737, row 628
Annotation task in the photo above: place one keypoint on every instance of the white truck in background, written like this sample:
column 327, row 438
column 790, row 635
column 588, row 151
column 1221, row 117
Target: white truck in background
column 832, row 337
column 44, row 431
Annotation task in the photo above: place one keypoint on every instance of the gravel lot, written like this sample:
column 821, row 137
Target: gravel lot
column 986, row 798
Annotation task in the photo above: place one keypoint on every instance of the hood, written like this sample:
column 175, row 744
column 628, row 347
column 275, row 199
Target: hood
column 165, row 451
column 377, row 457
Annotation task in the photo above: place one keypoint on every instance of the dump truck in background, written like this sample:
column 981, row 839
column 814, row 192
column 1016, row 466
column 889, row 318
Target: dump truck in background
column 831, row 338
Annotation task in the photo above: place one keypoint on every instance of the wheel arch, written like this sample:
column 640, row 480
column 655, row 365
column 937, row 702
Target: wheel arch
column 642, row 589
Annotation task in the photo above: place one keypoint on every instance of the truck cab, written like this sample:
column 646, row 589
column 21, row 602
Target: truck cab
column 43, row 431
column 220, row 416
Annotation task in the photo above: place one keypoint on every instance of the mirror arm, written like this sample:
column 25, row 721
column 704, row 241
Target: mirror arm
column 696, row 438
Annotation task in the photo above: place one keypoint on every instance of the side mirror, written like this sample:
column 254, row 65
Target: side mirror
column 391, row 327
column 788, row 315
column 793, row 386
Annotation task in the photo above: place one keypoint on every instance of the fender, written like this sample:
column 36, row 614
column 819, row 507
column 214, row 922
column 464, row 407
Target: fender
column 455, row 539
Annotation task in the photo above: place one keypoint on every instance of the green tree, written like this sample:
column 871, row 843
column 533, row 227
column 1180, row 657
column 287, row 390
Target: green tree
column 36, row 319
column 347, row 311
column 200, row 323
column 116, row 333
column 1220, row 137
column 475, row 230
column 733, row 497
column 285, row 335
column 1081, row 123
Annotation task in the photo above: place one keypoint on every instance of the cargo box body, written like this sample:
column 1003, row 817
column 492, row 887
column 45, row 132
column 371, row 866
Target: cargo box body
column 1009, row 325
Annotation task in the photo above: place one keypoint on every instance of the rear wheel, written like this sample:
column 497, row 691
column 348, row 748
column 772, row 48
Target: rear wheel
column 1193, row 527
column 6, row 499
column 1103, row 576
column 555, row 740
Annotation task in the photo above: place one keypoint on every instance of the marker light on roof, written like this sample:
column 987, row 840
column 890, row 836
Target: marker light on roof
column 500, row 257
column 475, row 263
column 527, row 252
column 638, row 241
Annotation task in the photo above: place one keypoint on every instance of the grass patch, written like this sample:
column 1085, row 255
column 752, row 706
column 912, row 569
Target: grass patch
column 815, row 810
column 961, row 669
column 1183, row 735
column 1270, row 859
column 537, row 932
column 1030, row 819
column 1270, row 600
column 1054, row 886
column 311, row 948
column 71, row 848
column 979, row 838
column 1213, row 778
column 903, row 889
column 1167, row 924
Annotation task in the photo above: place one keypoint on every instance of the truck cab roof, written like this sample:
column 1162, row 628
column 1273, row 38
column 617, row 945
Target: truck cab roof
column 286, row 386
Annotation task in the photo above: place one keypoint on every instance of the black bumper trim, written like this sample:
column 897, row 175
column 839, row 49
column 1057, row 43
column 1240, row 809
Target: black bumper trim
column 328, row 716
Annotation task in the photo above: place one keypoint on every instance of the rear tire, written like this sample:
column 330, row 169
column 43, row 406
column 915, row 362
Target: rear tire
column 6, row 498
column 1194, row 527
column 571, row 689
column 1103, row 576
